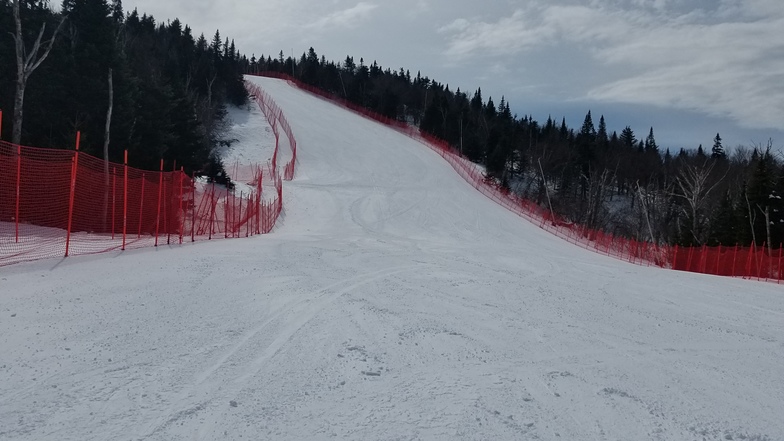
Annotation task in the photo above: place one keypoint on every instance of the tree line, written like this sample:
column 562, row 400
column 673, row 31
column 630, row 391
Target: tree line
column 127, row 82
column 121, row 79
column 625, row 184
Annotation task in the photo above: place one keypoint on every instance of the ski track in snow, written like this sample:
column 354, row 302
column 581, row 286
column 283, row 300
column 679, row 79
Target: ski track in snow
column 392, row 302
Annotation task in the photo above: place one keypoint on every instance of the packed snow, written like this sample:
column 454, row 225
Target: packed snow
column 393, row 301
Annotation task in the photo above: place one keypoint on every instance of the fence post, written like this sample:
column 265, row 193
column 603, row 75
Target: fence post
column 675, row 258
column 18, row 185
column 781, row 247
column 141, row 206
column 688, row 261
column 193, row 208
column 748, row 263
column 261, row 191
column 734, row 259
column 166, row 208
column 125, row 198
column 239, row 217
column 275, row 153
column 226, row 216
column 704, row 259
column 74, row 167
column 234, row 220
column 758, row 261
column 233, row 213
column 114, row 199
column 718, row 260
column 212, row 210
column 160, row 195
column 180, row 212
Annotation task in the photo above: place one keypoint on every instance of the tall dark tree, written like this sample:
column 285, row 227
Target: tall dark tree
column 627, row 138
column 718, row 151
column 764, row 199
column 91, row 48
column 726, row 223
column 602, row 140
column 650, row 143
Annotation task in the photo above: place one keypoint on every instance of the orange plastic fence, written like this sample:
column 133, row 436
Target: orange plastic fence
column 749, row 262
column 279, row 124
column 56, row 203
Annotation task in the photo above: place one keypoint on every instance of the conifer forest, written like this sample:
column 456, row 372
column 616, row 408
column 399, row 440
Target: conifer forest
column 125, row 81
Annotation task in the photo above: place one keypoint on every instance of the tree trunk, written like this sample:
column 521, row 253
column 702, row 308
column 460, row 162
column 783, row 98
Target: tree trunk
column 26, row 66
column 752, row 218
column 767, row 229
column 21, row 78
column 16, row 133
column 644, row 206
column 106, row 135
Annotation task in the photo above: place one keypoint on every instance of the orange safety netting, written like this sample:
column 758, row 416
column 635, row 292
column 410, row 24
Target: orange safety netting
column 748, row 262
column 56, row 203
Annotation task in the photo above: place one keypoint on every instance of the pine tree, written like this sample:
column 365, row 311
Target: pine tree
column 586, row 141
column 726, row 223
column 650, row 143
column 490, row 111
column 92, row 52
column 588, row 131
column 601, row 135
column 718, row 150
column 627, row 138
column 476, row 101
column 216, row 45
column 764, row 200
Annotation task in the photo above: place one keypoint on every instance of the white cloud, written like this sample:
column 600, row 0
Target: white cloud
column 459, row 25
column 509, row 34
column 726, row 62
column 347, row 18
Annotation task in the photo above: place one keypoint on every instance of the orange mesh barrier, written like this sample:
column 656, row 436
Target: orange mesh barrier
column 56, row 203
column 752, row 262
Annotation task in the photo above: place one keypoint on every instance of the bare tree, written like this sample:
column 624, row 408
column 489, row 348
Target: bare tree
column 106, row 138
column 26, row 63
column 645, row 211
column 596, row 195
column 694, row 184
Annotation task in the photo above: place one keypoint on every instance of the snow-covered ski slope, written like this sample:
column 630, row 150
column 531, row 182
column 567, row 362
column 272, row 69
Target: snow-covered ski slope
column 393, row 302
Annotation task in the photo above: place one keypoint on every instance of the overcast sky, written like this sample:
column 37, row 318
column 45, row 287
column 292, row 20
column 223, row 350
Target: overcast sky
column 689, row 68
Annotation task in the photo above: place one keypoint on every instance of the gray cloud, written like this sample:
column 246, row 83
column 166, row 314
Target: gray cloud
column 724, row 62
column 719, row 61
column 345, row 19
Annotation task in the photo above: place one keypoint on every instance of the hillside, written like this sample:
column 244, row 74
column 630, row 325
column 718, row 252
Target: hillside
column 393, row 302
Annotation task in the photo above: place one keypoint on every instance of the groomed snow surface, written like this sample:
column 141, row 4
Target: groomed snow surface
column 393, row 301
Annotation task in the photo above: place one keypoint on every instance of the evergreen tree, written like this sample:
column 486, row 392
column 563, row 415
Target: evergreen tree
column 627, row 138
column 588, row 131
column 92, row 52
column 602, row 141
column 650, row 143
column 476, row 101
column 217, row 44
column 726, row 223
column 718, row 150
column 764, row 199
